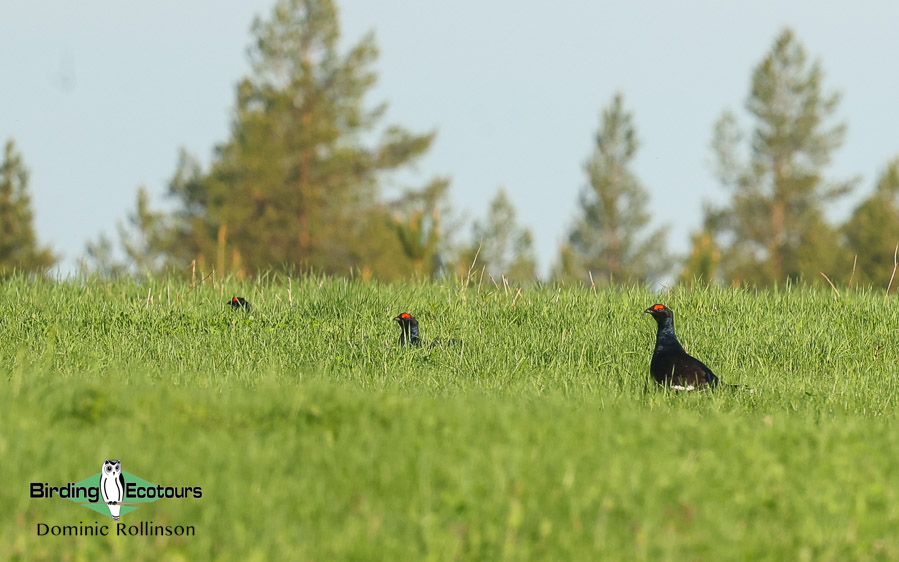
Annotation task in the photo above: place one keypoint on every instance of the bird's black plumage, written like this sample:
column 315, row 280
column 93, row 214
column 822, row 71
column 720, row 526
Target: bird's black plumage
column 238, row 303
column 671, row 365
column 409, row 325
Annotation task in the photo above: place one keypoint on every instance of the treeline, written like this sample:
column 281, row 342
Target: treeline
column 300, row 185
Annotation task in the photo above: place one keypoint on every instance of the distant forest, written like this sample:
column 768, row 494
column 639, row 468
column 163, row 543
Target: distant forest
column 298, row 186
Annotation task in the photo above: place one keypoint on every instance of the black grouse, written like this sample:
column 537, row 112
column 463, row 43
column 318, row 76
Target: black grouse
column 238, row 303
column 409, row 325
column 672, row 366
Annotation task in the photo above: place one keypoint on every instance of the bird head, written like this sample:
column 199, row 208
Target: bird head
column 660, row 312
column 406, row 319
column 409, row 326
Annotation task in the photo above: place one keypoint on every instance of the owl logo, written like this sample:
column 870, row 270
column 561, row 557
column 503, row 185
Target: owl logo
column 112, row 486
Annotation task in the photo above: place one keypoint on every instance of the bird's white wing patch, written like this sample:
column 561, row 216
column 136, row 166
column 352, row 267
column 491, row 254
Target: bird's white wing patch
column 687, row 388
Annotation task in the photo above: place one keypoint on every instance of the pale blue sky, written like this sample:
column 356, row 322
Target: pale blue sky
column 100, row 95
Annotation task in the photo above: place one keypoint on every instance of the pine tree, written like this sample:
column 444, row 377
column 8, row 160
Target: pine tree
column 566, row 269
column 774, row 228
column 704, row 261
column 145, row 241
column 191, row 222
column 502, row 246
column 872, row 232
column 19, row 250
column 146, row 238
column 417, row 220
column 99, row 260
column 298, row 181
column 608, row 239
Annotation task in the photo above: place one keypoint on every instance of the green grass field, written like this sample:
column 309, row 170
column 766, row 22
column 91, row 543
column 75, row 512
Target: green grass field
column 314, row 437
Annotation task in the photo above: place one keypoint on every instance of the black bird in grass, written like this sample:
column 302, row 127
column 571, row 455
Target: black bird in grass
column 409, row 325
column 238, row 303
column 671, row 365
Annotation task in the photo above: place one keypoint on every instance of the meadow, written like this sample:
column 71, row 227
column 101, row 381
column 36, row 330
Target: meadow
column 538, row 437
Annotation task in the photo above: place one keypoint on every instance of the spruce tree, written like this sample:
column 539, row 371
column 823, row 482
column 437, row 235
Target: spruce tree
column 418, row 220
column 872, row 232
column 501, row 245
column 609, row 238
column 774, row 228
column 146, row 237
column 19, row 250
column 704, row 260
column 100, row 260
column 145, row 242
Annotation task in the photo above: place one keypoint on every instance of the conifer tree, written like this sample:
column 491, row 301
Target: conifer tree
column 100, row 260
column 418, row 222
column 298, row 181
column 872, row 232
column 19, row 250
column 609, row 238
column 703, row 262
column 566, row 269
column 774, row 228
column 146, row 237
column 502, row 246
column 145, row 244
